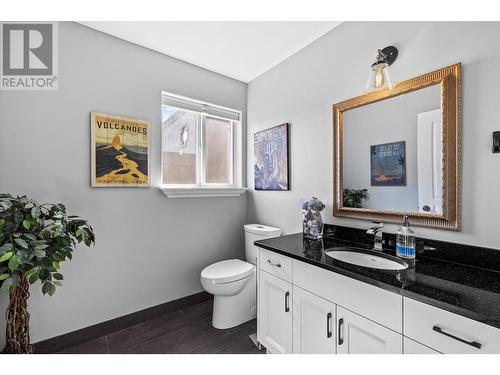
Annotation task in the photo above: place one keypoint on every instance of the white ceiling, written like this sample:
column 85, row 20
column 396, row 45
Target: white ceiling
column 240, row 50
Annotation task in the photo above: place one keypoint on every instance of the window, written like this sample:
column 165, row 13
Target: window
column 201, row 145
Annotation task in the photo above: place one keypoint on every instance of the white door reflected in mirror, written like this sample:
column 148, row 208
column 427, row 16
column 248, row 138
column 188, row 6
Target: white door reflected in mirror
column 429, row 162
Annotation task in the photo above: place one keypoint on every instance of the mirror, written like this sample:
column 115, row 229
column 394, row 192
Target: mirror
column 396, row 151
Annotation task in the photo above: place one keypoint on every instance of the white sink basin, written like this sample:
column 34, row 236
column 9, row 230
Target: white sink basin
column 367, row 258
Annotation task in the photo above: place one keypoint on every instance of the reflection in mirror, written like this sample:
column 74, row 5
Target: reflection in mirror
column 392, row 153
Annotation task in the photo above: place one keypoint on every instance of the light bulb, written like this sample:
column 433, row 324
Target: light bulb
column 379, row 76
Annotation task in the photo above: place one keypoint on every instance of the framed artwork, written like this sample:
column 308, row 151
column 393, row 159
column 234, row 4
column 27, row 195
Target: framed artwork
column 271, row 159
column 388, row 164
column 119, row 151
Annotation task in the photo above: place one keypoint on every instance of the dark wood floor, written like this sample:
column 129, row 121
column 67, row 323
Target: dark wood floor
column 184, row 331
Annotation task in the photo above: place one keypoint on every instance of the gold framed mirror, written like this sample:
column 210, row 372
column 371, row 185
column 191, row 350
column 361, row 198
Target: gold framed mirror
column 397, row 151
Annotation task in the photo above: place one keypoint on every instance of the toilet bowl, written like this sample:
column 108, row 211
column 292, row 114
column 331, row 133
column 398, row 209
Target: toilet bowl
column 233, row 282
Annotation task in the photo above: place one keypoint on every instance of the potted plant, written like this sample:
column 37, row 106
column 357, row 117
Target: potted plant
column 34, row 239
column 354, row 197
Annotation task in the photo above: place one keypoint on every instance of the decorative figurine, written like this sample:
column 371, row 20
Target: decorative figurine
column 312, row 222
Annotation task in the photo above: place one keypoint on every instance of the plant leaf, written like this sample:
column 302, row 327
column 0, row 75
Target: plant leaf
column 21, row 243
column 7, row 283
column 57, row 276
column 18, row 217
column 6, row 256
column 13, row 262
column 35, row 212
column 31, row 272
column 43, row 273
column 48, row 288
column 26, row 224
column 41, row 247
column 4, row 276
column 39, row 253
column 30, row 236
column 6, row 247
column 61, row 207
column 45, row 288
column 33, row 278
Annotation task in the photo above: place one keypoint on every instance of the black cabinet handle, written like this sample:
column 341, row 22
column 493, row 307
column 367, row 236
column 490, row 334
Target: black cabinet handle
column 328, row 323
column 475, row 344
column 273, row 264
column 341, row 330
column 287, row 307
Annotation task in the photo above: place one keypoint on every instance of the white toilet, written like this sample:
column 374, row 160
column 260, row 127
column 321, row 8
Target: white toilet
column 233, row 282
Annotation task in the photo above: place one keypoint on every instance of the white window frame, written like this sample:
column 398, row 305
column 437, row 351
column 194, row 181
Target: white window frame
column 201, row 188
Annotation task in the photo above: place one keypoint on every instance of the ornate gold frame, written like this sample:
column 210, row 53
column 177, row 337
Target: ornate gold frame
column 449, row 80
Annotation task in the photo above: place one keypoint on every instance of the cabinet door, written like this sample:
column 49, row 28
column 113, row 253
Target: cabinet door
column 275, row 314
column 358, row 335
column 313, row 323
column 413, row 347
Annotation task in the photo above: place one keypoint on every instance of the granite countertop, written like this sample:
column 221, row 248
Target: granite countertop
column 466, row 290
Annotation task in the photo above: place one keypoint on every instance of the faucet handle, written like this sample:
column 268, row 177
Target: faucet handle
column 377, row 227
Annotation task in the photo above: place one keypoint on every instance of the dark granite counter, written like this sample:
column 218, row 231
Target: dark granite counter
column 467, row 290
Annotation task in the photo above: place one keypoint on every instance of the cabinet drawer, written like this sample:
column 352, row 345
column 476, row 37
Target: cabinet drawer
column 447, row 332
column 367, row 300
column 413, row 347
column 276, row 264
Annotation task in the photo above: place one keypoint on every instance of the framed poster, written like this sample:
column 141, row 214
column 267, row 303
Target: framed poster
column 388, row 164
column 119, row 150
column 271, row 159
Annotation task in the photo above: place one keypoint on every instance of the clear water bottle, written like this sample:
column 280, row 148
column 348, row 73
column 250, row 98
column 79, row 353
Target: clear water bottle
column 405, row 240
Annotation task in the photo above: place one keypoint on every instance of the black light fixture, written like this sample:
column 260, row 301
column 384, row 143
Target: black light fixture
column 379, row 73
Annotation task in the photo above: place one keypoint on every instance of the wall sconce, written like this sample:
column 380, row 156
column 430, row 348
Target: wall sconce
column 379, row 74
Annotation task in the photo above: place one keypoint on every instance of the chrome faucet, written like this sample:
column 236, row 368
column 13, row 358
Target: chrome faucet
column 376, row 230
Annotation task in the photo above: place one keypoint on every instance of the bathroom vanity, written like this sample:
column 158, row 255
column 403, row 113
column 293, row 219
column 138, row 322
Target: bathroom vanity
column 309, row 302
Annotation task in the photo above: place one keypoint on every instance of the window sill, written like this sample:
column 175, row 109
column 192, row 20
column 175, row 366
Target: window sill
column 203, row 192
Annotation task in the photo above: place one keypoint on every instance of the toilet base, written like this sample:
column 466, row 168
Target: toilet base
column 231, row 311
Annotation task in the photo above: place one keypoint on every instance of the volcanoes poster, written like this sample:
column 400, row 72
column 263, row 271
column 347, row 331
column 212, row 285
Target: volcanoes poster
column 120, row 151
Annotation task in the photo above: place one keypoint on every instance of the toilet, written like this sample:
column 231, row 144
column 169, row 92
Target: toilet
column 233, row 282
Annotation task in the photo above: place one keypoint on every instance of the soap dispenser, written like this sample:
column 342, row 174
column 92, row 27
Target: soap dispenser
column 405, row 240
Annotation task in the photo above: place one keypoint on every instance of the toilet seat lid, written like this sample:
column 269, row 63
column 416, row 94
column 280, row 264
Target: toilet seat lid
column 227, row 271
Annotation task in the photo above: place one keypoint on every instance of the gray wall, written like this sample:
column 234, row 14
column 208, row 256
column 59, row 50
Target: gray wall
column 302, row 89
column 149, row 249
column 371, row 125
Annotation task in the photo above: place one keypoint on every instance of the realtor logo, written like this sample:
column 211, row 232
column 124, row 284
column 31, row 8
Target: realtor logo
column 28, row 56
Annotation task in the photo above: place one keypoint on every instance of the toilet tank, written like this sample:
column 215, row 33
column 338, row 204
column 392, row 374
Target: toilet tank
column 254, row 232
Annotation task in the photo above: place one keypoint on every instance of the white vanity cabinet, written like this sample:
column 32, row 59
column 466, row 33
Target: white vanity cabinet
column 274, row 319
column 299, row 307
column 358, row 335
column 303, row 308
column 313, row 323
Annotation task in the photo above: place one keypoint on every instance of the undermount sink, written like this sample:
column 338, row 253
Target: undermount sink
column 367, row 258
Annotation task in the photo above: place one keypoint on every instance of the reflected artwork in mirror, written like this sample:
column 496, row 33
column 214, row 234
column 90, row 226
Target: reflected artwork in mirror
column 400, row 147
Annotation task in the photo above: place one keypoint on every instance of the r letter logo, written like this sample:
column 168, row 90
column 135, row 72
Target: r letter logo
column 29, row 56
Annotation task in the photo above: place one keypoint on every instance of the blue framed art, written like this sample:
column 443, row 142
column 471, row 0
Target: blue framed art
column 271, row 159
column 388, row 164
